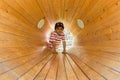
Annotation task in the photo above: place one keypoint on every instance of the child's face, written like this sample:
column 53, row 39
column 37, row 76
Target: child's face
column 59, row 30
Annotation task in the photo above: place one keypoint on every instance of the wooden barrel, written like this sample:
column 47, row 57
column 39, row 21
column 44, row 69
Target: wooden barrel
column 23, row 46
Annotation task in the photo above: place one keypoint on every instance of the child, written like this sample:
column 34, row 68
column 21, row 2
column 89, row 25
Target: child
column 56, row 37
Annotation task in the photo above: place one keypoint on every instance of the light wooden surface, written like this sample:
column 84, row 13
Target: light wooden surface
column 47, row 66
column 94, row 56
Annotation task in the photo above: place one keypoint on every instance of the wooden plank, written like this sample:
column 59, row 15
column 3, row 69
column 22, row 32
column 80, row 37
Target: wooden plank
column 104, row 67
column 11, row 64
column 79, row 73
column 61, row 68
column 106, row 60
column 69, row 70
column 91, row 73
column 31, row 74
column 52, row 74
column 21, row 69
column 43, row 73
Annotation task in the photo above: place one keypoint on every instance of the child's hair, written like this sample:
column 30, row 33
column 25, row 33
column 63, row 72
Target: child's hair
column 59, row 24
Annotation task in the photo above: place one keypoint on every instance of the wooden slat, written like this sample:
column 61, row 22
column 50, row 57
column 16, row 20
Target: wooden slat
column 109, row 66
column 69, row 71
column 44, row 72
column 11, row 64
column 52, row 74
column 91, row 73
column 61, row 75
column 21, row 69
column 94, row 56
column 31, row 74
column 79, row 73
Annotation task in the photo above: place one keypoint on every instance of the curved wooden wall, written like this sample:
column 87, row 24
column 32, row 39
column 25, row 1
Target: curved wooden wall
column 97, row 46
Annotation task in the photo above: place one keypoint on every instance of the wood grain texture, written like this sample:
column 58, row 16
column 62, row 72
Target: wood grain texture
column 94, row 56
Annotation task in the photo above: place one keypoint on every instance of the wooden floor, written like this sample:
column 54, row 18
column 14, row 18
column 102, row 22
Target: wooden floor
column 47, row 66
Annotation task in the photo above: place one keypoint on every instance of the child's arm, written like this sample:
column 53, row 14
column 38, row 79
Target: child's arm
column 52, row 40
column 64, row 46
column 64, row 43
column 54, row 47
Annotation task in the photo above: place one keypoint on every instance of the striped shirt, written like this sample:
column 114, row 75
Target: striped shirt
column 54, row 37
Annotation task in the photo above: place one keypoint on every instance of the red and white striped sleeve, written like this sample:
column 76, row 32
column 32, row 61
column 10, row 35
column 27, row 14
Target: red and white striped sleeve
column 52, row 37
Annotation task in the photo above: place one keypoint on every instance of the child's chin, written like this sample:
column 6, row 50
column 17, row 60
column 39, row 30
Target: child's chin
column 60, row 34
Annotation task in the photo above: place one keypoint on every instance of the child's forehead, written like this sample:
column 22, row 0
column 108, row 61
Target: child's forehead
column 59, row 27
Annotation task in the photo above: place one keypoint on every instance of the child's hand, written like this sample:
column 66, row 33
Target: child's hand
column 54, row 52
column 64, row 52
column 54, row 49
